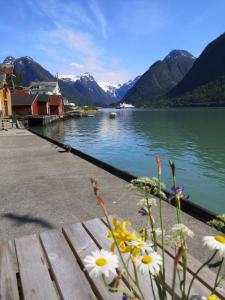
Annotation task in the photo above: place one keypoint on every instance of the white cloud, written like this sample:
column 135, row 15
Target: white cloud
column 59, row 12
column 72, row 49
column 76, row 52
column 77, row 65
column 99, row 17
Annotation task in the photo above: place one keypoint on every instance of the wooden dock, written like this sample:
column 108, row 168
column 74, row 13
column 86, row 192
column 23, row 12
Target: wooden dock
column 51, row 266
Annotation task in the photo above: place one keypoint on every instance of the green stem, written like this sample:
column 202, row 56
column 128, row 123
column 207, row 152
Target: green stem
column 114, row 289
column 153, row 292
column 152, row 225
column 162, row 236
column 199, row 269
column 121, row 257
column 184, row 263
column 217, row 276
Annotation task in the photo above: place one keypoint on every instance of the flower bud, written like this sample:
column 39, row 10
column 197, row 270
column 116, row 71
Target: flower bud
column 173, row 167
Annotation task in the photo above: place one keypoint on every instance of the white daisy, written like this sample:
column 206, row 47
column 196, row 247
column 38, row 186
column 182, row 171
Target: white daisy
column 142, row 245
column 215, row 243
column 101, row 262
column 149, row 263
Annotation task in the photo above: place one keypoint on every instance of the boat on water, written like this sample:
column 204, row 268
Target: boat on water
column 112, row 115
column 125, row 105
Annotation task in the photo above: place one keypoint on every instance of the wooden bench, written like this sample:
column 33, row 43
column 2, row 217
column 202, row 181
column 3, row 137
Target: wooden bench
column 51, row 266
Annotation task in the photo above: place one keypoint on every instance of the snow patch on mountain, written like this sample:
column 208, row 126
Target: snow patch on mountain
column 73, row 78
column 9, row 60
column 68, row 78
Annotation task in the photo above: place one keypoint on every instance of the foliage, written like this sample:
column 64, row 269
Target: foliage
column 218, row 223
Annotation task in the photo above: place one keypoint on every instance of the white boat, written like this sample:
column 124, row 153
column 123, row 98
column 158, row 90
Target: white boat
column 125, row 105
column 112, row 115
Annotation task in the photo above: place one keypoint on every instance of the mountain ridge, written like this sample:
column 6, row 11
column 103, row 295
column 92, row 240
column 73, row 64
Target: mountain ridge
column 161, row 77
column 205, row 79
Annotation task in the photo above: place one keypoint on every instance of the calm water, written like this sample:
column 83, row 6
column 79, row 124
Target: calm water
column 193, row 138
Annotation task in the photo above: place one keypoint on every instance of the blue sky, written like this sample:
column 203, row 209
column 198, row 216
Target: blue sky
column 114, row 40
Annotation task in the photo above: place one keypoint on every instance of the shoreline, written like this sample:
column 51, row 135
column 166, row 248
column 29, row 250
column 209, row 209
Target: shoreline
column 191, row 208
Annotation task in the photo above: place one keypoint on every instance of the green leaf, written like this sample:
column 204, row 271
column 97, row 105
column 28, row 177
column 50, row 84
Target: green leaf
column 181, row 284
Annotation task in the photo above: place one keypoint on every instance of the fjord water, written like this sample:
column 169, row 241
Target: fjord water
column 193, row 138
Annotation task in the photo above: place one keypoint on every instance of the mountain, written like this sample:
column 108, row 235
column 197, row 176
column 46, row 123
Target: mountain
column 109, row 88
column 9, row 60
column 118, row 91
column 29, row 69
column 26, row 70
column 123, row 89
column 88, row 88
column 160, row 78
column 204, row 84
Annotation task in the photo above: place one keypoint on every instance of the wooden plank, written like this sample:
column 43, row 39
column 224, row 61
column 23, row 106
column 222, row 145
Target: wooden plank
column 35, row 278
column 198, row 288
column 68, row 276
column 8, row 280
column 83, row 245
column 98, row 231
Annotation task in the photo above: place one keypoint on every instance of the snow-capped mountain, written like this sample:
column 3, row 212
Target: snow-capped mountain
column 109, row 88
column 123, row 89
column 118, row 91
column 89, row 88
column 27, row 69
column 9, row 60
column 69, row 78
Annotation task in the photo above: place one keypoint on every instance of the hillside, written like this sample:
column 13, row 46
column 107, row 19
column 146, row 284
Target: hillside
column 204, row 84
column 161, row 77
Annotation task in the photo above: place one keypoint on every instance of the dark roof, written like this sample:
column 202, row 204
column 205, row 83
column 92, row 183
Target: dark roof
column 43, row 98
column 22, row 99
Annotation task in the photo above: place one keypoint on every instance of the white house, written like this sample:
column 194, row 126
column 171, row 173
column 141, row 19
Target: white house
column 45, row 87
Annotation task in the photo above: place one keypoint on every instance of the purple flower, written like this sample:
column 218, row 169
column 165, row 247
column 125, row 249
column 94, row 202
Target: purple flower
column 178, row 190
column 143, row 211
column 125, row 297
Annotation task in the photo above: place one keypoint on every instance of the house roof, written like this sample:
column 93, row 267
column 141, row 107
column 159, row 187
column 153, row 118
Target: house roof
column 43, row 98
column 22, row 99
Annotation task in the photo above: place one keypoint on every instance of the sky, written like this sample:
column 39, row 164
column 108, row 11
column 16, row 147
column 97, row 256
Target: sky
column 114, row 40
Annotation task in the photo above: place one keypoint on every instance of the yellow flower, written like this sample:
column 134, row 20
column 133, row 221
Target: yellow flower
column 123, row 236
column 213, row 297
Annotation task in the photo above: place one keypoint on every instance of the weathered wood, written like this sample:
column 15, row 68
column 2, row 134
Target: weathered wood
column 69, row 278
column 8, row 280
column 83, row 245
column 98, row 231
column 35, row 278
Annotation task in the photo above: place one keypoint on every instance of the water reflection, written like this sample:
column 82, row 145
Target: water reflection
column 193, row 138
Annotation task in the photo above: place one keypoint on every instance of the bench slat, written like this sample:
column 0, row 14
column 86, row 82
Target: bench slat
column 8, row 281
column 98, row 231
column 35, row 278
column 83, row 245
column 69, row 278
